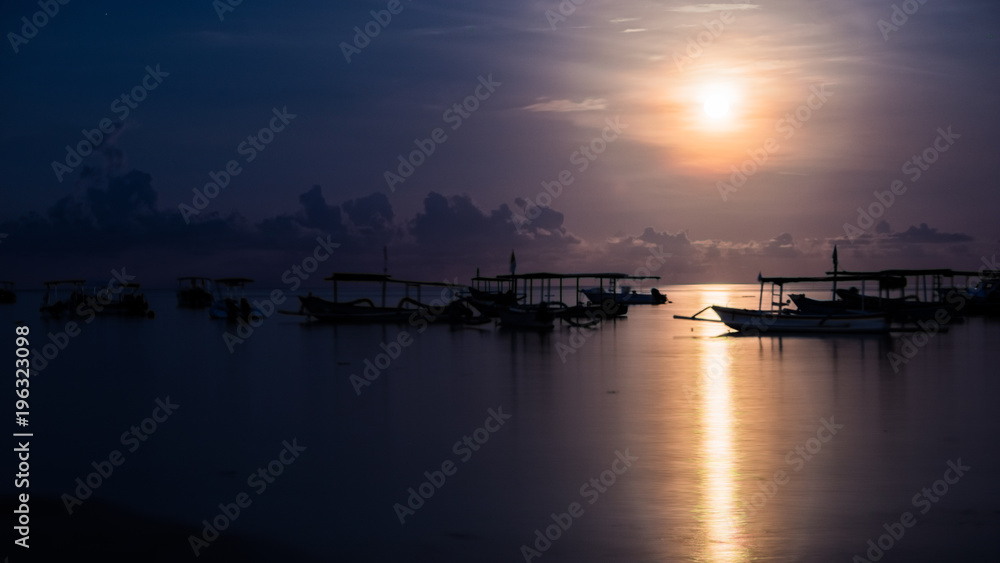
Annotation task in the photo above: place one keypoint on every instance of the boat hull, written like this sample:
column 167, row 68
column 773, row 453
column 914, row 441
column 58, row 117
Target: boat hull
column 597, row 296
column 766, row 321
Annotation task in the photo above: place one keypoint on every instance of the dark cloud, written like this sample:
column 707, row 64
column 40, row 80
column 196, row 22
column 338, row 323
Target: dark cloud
column 927, row 235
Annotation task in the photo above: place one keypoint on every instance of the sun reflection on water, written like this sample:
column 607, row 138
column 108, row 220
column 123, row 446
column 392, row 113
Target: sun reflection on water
column 718, row 506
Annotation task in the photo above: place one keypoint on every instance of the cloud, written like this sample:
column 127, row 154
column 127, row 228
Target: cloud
column 588, row 104
column 704, row 8
column 927, row 235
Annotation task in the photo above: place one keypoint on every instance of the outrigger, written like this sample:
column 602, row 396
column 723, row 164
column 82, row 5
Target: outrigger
column 126, row 300
column 778, row 319
column 409, row 309
column 55, row 307
column 194, row 292
column 511, row 298
column 230, row 303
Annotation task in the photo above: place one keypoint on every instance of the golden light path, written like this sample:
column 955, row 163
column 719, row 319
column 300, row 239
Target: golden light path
column 718, row 506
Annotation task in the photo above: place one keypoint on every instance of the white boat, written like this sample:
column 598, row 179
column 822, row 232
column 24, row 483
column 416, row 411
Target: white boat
column 749, row 320
column 780, row 320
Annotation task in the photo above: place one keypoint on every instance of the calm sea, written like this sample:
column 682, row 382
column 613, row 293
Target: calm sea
column 648, row 439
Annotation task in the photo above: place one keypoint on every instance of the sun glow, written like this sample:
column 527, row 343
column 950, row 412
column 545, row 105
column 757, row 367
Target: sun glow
column 716, row 106
column 716, row 101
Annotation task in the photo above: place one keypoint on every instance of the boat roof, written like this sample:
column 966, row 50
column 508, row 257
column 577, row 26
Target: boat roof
column 361, row 277
column 555, row 276
column 946, row 272
column 825, row 279
column 233, row 281
column 358, row 277
column 60, row 282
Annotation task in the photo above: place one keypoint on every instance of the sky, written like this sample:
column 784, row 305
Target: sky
column 702, row 142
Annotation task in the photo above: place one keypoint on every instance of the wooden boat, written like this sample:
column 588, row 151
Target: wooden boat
column 902, row 310
column 125, row 300
column 230, row 303
column 540, row 318
column 907, row 295
column 984, row 298
column 784, row 321
column 626, row 295
column 57, row 307
column 779, row 320
column 408, row 310
column 7, row 294
column 494, row 296
column 194, row 292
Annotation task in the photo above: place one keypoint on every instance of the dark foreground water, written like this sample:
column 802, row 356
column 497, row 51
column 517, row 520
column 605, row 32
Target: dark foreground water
column 646, row 440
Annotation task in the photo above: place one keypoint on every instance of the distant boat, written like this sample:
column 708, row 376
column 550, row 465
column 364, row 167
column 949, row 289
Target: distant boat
column 539, row 317
column 409, row 309
column 7, row 294
column 57, row 307
column 230, row 303
column 125, row 300
column 984, row 298
column 194, row 292
column 513, row 296
column 626, row 295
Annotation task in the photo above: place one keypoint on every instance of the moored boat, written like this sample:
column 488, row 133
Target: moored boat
column 744, row 320
column 7, row 294
column 194, row 292
column 449, row 307
column 124, row 300
column 626, row 295
column 778, row 319
column 55, row 305
column 230, row 302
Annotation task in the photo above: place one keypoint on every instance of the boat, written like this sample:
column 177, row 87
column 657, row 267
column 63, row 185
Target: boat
column 626, row 295
column 512, row 296
column 779, row 319
column 194, row 292
column 125, row 300
column 744, row 320
column 408, row 310
column 230, row 303
column 984, row 298
column 7, row 294
column 55, row 306
column 540, row 317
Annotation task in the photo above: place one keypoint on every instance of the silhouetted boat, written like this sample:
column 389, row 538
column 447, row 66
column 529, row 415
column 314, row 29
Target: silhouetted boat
column 194, row 292
column 7, row 294
column 230, row 303
column 626, row 295
column 409, row 309
column 513, row 296
column 984, row 298
column 925, row 299
column 786, row 321
column 778, row 319
column 124, row 300
column 539, row 317
column 56, row 307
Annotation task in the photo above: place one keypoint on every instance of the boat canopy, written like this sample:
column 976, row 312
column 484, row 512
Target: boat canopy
column 233, row 281
column 61, row 282
column 837, row 278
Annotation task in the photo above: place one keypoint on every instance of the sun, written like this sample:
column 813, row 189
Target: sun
column 717, row 105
